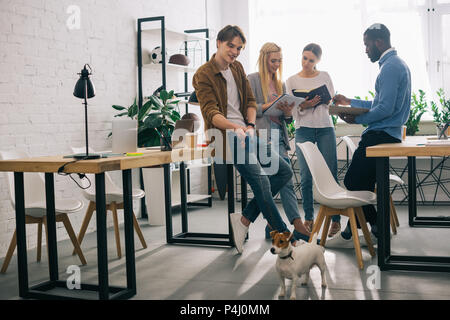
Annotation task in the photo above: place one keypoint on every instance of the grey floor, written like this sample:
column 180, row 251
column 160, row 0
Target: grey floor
column 203, row 272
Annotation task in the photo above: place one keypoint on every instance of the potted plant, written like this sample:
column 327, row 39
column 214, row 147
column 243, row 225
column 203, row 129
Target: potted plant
column 162, row 117
column 441, row 115
column 156, row 119
column 419, row 106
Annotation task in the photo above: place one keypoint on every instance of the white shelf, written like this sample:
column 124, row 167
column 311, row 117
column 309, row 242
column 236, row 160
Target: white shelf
column 175, row 35
column 170, row 66
column 191, row 198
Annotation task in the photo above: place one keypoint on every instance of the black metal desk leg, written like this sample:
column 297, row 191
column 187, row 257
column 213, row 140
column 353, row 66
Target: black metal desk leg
column 22, row 263
column 210, row 185
column 184, row 220
column 168, row 201
column 384, row 241
column 129, row 232
column 230, row 191
column 230, row 188
column 412, row 198
column 51, row 226
column 102, row 250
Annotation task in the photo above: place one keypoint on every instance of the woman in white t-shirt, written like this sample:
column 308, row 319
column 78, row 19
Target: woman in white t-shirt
column 313, row 123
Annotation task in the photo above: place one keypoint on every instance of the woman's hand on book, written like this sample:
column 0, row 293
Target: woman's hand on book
column 307, row 104
column 286, row 108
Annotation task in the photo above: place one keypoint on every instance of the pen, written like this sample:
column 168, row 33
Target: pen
column 332, row 100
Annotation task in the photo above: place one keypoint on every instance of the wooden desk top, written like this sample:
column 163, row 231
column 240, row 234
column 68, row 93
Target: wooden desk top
column 413, row 146
column 148, row 159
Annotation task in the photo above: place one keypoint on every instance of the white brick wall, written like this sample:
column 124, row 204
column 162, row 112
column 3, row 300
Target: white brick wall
column 39, row 61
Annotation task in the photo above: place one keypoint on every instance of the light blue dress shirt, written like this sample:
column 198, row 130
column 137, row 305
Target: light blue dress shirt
column 390, row 108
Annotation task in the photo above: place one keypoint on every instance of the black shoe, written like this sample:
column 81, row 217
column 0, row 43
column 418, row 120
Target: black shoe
column 301, row 236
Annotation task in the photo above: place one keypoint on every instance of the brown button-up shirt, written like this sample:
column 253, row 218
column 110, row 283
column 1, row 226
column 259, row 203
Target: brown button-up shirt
column 211, row 90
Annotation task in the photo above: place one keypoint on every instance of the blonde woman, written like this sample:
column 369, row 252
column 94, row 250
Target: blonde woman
column 266, row 85
column 313, row 123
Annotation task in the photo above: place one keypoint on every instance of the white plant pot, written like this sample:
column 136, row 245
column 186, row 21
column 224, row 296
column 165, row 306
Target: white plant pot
column 155, row 199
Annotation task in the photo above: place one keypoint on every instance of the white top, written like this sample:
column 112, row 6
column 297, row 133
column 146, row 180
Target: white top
column 387, row 51
column 233, row 103
column 317, row 117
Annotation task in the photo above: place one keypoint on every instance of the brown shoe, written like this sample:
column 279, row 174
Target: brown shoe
column 335, row 228
column 308, row 225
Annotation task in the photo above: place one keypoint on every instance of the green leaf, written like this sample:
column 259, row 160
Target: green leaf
column 163, row 95
column 156, row 103
column 154, row 120
column 132, row 111
column 120, row 108
column 121, row 114
column 143, row 111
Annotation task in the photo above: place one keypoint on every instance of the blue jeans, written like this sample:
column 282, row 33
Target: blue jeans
column 325, row 138
column 287, row 193
column 264, row 183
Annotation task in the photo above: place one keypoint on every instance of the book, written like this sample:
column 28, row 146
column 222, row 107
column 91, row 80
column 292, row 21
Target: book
column 321, row 91
column 337, row 110
column 273, row 109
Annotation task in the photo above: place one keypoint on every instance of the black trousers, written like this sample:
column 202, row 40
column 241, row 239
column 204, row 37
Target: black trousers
column 361, row 175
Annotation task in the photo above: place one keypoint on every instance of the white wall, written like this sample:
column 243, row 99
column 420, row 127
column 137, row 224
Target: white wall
column 235, row 12
column 39, row 61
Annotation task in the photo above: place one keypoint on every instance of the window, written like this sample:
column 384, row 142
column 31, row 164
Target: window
column 338, row 26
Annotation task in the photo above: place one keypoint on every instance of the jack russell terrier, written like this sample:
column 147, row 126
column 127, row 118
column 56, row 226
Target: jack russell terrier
column 293, row 262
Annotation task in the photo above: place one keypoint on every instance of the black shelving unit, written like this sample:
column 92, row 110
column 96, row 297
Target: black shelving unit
column 161, row 20
column 183, row 94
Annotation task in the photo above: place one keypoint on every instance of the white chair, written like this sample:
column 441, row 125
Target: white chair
column 114, row 201
column 336, row 200
column 393, row 179
column 35, row 208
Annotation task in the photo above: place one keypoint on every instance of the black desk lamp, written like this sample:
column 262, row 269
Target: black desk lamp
column 84, row 89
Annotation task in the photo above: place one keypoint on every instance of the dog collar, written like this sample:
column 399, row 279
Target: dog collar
column 288, row 256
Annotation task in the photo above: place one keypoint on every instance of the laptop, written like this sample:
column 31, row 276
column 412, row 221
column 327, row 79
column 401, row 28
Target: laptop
column 124, row 135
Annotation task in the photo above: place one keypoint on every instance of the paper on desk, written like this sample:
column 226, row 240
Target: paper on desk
column 438, row 143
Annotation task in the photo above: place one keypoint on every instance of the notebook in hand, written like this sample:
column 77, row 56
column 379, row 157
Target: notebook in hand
column 284, row 98
column 321, row 91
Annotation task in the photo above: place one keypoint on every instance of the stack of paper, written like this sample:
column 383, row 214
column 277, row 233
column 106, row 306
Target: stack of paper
column 438, row 143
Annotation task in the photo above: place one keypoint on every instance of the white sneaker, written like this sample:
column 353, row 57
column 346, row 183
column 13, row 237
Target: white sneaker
column 339, row 242
column 239, row 231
